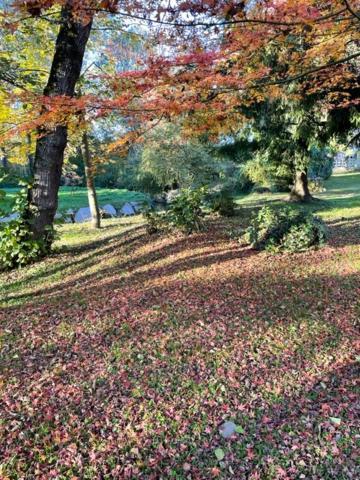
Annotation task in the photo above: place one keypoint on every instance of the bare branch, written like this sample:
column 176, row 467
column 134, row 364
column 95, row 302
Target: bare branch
column 351, row 10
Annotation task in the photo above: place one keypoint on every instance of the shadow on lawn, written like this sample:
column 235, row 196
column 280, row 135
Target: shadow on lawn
column 128, row 266
column 242, row 301
column 94, row 244
column 99, row 250
column 153, row 337
column 344, row 231
column 118, row 276
column 202, row 334
column 119, row 246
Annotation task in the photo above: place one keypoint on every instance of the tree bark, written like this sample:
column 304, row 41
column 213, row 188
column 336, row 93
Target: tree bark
column 30, row 157
column 49, row 155
column 90, row 183
column 300, row 191
column 4, row 160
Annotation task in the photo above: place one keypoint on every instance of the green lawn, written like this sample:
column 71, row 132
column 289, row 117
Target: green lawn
column 341, row 198
column 76, row 197
column 123, row 353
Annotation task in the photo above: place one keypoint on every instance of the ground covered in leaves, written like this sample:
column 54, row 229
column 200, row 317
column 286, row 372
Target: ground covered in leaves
column 123, row 354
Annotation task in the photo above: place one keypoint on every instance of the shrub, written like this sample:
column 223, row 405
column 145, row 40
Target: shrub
column 311, row 233
column 223, row 204
column 184, row 213
column 316, row 185
column 8, row 177
column 321, row 163
column 17, row 247
column 285, row 229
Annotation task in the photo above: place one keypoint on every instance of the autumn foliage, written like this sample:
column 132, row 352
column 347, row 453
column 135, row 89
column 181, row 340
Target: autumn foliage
column 219, row 55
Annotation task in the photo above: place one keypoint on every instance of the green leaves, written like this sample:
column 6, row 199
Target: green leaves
column 336, row 421
column 285, row 229
column 184, row 213
column 239, row 429
column 185, row 210
column 219, row 454
column 17, row 247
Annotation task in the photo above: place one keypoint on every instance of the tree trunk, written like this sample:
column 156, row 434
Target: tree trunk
column 4, row 160
column 90, row 183
column 300, row 191
column 50, row 146
column 30, row 157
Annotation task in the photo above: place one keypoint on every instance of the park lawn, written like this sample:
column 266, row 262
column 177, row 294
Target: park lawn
column 76, row 197
column 121, row 354
column 340, row 199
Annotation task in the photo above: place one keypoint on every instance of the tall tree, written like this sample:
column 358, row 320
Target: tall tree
column 49, row 155
column 209, row 78
column 285, row 134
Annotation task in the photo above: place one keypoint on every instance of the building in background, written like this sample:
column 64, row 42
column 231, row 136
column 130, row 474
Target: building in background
column 347, row 161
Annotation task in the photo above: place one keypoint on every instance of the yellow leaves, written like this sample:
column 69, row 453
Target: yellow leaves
column 6, row 112
column 123, row 144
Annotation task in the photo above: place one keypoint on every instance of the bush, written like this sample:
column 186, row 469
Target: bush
column 8, row 178
column 17, row 247
column 321, row 163
column 317, row 185
column 311, row 233
column 223, row 204
column 285, row 230
column 184, row 213
column 155, row 221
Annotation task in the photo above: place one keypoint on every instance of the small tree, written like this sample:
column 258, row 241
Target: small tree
column 170, row 158
column 90, row 180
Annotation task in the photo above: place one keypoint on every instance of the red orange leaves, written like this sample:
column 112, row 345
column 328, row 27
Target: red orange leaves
column 127, row 363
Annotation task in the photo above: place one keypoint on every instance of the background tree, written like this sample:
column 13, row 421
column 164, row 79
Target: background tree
column 170, row 158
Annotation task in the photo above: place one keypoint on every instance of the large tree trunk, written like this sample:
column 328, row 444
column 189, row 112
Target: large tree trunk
column 30, row 157
column 50, row 146
column 90, row 183
column 4, row 160
column 300, row 191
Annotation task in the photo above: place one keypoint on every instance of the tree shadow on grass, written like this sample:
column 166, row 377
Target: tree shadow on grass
column 121, row 250
column 119, row 277
column 204, row 352
column 127, row 265
column 94, row 244
column 74, row 258
column 344, row 232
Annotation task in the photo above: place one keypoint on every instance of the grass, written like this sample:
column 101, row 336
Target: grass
column 122, row 354
column 341, row 198
column 76, row 197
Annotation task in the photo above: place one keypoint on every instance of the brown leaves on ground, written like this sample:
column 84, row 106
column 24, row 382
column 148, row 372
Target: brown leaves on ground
column 121, row 360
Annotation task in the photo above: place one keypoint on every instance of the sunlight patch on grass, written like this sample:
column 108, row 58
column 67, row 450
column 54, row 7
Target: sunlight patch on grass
column 76, row 197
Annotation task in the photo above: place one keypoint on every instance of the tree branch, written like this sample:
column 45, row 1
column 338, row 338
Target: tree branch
column 194, row 24
column 313, row 70
column 351, row 10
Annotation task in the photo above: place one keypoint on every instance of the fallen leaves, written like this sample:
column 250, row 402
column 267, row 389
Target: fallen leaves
column 126, row 366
